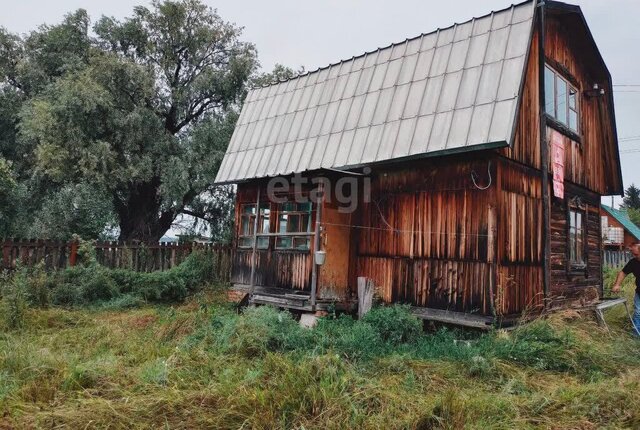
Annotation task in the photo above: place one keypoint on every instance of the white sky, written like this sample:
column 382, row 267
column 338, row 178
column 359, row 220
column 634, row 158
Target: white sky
column 316, row 33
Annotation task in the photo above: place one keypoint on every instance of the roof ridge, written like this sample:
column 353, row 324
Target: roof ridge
column 318, row 69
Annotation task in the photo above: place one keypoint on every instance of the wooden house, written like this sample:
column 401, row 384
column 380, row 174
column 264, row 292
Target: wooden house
column 618, row 231
column 476, row 157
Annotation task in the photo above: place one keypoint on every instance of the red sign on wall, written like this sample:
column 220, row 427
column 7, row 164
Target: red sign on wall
column 557, row 163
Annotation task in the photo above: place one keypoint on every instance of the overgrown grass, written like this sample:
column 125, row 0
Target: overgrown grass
column 202, row 365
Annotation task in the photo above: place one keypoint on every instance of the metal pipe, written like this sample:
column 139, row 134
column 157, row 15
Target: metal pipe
column 252, row 282
column 316, row 245
column 544, row 154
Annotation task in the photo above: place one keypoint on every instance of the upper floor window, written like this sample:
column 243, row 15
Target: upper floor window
column 561, row 99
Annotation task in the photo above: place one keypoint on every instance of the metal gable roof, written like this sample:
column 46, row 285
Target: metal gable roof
column 623, row 218
column 455, row 89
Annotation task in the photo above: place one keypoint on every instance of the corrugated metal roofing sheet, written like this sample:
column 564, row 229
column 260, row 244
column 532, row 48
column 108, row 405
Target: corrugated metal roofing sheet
column 453, row 89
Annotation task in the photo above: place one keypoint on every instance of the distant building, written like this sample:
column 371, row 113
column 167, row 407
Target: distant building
column 618, row 231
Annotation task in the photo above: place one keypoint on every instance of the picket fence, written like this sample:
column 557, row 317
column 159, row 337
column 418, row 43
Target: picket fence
column 141, row 257
column 616, row 259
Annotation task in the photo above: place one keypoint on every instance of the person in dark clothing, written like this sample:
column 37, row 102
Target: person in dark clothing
column 633, row 266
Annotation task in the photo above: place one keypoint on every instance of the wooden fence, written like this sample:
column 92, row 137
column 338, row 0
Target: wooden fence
column 141, row 257
column 616, row 259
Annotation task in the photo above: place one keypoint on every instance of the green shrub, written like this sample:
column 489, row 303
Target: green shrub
column 90, row 283
column 81, row 285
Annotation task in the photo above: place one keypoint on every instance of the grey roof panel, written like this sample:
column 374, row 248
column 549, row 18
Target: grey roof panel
column 358, row 145
column 421, row 134
column 398, row 103
column 371, row 145
column 424, row 64
column 403, row 140
column 455, row 88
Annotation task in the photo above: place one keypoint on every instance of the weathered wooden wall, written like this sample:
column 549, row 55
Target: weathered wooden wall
column 424, row 239
column 592, row 162
column 591, row 170
column 282, row 269
column 582, row 285
column 274, row 268
column 519, row 283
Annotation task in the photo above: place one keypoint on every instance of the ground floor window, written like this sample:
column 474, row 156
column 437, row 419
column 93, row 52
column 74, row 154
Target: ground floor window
column 577, row 238
column 294, row 226
column 247, row 225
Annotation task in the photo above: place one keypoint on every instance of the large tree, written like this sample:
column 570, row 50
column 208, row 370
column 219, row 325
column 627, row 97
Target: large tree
column 142, row 112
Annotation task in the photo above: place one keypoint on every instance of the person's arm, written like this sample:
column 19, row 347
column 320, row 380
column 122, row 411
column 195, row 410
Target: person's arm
column 618, row 282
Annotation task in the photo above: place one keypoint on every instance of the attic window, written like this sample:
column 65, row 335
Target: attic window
column 561, row 99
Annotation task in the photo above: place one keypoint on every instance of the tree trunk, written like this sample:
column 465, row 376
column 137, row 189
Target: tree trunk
column 140, row 214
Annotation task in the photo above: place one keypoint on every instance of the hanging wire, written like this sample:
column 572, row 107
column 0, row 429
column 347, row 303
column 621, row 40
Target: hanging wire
column 474, row 176
column 395, row 230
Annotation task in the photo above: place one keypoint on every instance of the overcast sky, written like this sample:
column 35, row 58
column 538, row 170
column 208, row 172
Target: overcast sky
column 315, row 33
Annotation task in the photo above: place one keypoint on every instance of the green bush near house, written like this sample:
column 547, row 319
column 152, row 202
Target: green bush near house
column 89, row 283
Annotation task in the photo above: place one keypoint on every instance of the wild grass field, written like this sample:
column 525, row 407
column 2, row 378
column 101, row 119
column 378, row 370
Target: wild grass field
column 121, row 362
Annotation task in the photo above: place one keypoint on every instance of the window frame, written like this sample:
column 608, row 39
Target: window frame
column 245, row 237
column 569, row 106
column 575, row 246
column 293, row 236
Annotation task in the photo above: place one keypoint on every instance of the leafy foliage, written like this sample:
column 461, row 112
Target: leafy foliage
column 7, row 197
column 631, row 198
column 78, row 209
column 138, row 117
column 90, row 283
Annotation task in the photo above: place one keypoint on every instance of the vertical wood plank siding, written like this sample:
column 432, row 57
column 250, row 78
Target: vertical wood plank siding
column 283, row 269
column 424, row 237
column 519, row 283
column 592, row 163
column 591, row 166
column 525, row 148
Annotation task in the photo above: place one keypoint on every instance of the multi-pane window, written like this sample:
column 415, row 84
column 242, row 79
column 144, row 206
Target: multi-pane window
column 294, row 218
column 561, row 99
column 247, row 223
column 577, row 238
